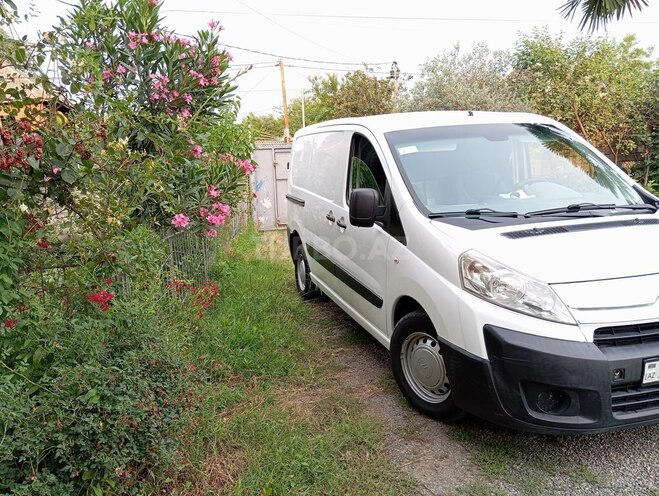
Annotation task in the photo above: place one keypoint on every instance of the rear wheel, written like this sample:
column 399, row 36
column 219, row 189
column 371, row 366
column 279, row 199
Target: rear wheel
column 419, row 369
column 305, row 287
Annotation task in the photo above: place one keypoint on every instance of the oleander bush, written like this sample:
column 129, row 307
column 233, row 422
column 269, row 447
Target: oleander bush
column 137, row 144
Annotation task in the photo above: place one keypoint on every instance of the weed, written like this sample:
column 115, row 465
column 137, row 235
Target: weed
column 273, row 421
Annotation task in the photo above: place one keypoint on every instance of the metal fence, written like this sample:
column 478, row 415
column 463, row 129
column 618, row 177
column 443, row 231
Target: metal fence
column 190, row 256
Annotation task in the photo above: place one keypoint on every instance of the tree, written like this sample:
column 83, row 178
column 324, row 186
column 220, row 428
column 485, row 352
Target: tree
column 476, row 80
column 357, row 93
column 596, row 13
column 597, row 86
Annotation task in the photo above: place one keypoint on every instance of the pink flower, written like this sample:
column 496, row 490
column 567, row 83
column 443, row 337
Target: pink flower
column 222, row 208
column 203, row 212
column 107, row 74
column 180, row 221
column 246, row 165
column 187, row 97
column 132, row 45
column 90, row 44
column 213, row 192
column 121, row 69
column 196, row 151
column 184, row 41
column 212, row 24
column 185, row 113
column 56, row 170
column 156, row 36
column 153, row 3
column 215, row 220
column 191, row 368
column 210, row 233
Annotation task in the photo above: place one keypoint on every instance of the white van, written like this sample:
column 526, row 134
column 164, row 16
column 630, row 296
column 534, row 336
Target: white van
column 505, row 263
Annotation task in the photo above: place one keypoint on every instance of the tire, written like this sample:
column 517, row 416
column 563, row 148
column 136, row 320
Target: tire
column 305, row 287
column 418, row 367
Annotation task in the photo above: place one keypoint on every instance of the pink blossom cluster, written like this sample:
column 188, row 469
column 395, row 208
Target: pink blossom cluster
column 246, row 165
column 180, row 221
column 137, row 39
column 215, row 216
column 213, row 24
column 213, row 192
column 159, row 89
column 196, row 149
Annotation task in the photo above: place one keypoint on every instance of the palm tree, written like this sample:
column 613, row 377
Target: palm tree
column 597, row 13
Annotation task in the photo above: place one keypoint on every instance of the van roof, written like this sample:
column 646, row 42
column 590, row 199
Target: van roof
column 412, row 120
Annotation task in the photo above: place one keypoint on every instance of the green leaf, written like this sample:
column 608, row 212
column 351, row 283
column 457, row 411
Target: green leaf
column 63, row 150
column 69, row 176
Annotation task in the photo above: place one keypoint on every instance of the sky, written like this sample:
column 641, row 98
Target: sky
column 314, row 38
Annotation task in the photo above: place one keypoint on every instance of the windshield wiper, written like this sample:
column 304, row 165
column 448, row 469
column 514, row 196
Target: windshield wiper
column 578, row 207
column 474, row 213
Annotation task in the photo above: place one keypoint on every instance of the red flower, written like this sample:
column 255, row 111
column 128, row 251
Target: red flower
column 9, row 323
column 42, row 243
column 103, row 297
column 191, row 368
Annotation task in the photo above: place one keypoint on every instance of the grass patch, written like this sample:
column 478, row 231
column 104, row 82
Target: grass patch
column 274, row 421
column 583, row 473
column 502, row 457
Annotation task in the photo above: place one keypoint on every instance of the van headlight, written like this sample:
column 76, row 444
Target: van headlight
column 502, row 286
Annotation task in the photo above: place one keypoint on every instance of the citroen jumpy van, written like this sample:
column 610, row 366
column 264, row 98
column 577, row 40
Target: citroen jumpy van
column 507, row 265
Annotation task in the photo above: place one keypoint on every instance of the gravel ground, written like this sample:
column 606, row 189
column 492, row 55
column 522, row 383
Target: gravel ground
column 475, row 457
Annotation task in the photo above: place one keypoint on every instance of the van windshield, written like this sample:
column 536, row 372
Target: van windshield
column 524, row 169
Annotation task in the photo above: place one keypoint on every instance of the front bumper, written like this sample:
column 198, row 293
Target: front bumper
column 554, row 386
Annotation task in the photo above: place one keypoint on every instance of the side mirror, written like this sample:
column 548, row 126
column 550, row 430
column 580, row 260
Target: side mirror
column 363, row 207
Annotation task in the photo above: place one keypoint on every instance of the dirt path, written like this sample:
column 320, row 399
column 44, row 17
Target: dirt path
column 421, row 447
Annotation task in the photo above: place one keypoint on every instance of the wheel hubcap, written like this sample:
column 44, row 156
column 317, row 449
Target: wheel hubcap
column 423, row 367
column 301, row 274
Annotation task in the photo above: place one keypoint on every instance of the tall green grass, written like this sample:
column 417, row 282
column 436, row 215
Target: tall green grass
column 273, row 420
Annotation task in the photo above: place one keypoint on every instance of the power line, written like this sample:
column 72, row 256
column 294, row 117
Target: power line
column 365, row 17
column 334, row 69
column 361, row 64
column 290, row 30
column 386, row 18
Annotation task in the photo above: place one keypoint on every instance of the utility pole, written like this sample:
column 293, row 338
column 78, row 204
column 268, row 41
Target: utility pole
column 303, row 119
column 287, row 132
column 394, row 76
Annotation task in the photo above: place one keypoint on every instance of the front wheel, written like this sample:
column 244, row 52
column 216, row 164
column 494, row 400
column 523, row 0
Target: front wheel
column 419, row 369
column 305, row 287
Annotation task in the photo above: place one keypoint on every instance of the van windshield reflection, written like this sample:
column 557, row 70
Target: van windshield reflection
column 507, row 170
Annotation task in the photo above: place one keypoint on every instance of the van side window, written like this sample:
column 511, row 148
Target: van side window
column 365, row 168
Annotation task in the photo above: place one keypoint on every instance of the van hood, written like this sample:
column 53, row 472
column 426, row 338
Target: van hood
column 573, row 251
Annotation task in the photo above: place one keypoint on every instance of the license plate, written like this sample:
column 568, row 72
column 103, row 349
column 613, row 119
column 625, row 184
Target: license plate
column 651, row 371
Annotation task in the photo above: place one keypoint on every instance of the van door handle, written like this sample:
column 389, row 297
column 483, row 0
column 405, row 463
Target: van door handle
column 341, row 223
column 330, row 216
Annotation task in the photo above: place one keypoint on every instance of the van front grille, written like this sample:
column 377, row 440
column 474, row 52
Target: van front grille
column 626, row 335
column 629, row 399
